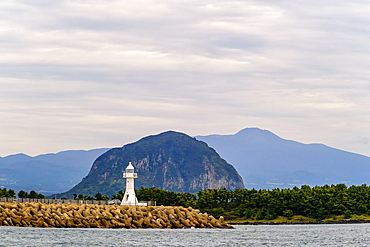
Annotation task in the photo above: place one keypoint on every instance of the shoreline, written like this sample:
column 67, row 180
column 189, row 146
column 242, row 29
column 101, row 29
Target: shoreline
column 302, row 222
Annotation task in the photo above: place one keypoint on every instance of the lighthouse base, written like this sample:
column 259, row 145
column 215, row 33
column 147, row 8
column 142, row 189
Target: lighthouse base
column 130, row 199
column 135, row 204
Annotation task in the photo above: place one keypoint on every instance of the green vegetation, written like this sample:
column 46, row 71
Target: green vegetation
column 32, row 194
column 297, row 204
column 7, row 193
column 98, row 196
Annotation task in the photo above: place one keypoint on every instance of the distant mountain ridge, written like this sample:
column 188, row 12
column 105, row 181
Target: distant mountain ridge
column 265, row 160
column 171, row 160
column 46, row 173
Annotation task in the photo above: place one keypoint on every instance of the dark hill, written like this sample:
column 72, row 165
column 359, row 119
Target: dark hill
column 172, row 161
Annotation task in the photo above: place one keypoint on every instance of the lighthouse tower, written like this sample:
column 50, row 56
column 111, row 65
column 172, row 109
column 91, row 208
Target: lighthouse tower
column 129, row 198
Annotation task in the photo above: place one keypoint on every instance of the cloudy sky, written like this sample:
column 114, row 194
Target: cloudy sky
column 93, row 73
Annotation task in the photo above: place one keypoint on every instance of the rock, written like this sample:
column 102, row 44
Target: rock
column 107, row 216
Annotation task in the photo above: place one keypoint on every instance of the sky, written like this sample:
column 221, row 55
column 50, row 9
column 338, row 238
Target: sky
column 86, row 74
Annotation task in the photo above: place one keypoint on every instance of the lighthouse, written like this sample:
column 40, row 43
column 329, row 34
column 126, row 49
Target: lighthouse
column 129, row 198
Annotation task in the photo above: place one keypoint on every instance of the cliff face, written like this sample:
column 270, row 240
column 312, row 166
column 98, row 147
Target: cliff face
column 170, row 161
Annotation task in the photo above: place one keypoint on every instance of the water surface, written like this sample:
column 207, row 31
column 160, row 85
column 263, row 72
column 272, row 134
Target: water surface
column 282, row 235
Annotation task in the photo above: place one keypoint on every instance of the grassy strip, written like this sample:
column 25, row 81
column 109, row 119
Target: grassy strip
column 300, row 218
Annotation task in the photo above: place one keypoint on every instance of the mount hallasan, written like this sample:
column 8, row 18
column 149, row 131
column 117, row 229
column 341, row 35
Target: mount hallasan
column 171, row 161
column 265, row 160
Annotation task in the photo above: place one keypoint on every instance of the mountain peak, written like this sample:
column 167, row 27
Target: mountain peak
column 166, row 134
column 257, row 133
column 17, row 158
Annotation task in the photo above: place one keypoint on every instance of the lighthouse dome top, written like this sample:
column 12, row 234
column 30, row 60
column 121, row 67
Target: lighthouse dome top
column 129, row 166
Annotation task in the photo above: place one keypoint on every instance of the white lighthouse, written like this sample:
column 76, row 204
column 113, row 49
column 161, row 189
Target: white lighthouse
column 129, row 198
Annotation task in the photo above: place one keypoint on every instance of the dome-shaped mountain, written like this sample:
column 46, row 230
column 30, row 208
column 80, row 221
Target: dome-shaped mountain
column 171, row 161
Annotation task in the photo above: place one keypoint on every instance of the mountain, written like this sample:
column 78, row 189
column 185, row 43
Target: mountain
column 46, row 173
column 171, row 160
column 264, row 160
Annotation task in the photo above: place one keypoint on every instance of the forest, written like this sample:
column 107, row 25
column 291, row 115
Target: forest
column 318, row 203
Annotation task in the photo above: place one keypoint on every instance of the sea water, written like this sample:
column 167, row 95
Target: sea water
column 282, row 235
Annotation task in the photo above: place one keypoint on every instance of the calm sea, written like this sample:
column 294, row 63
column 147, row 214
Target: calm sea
column 283, row 235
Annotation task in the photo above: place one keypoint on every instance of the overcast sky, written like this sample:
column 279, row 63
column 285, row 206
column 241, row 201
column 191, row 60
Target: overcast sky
column 89, row 74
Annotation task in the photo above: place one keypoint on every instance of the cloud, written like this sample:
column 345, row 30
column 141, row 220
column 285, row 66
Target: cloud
column 86, row 74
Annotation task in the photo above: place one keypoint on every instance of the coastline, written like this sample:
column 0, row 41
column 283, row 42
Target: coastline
column 301, row 222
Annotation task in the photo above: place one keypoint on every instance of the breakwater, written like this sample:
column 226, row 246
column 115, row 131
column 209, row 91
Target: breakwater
column 104, row 216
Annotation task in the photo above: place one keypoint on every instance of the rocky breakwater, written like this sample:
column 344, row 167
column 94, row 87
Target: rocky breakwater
column 104, row 216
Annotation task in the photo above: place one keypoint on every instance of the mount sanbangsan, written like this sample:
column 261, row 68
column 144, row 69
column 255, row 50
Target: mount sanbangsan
column 171, row 161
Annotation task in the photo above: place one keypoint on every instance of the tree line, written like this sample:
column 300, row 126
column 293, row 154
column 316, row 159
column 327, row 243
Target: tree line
column 318, row 202
column 32, row 194
column 98, row 196
column 21, row 194
column 7, row 193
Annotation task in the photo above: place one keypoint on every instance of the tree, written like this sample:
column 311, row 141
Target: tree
column 11, row 193
column 7, row 193
column 88, row 198
column 119, row 195
column 98, row 196
column 22, row 194
column 33, row 194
